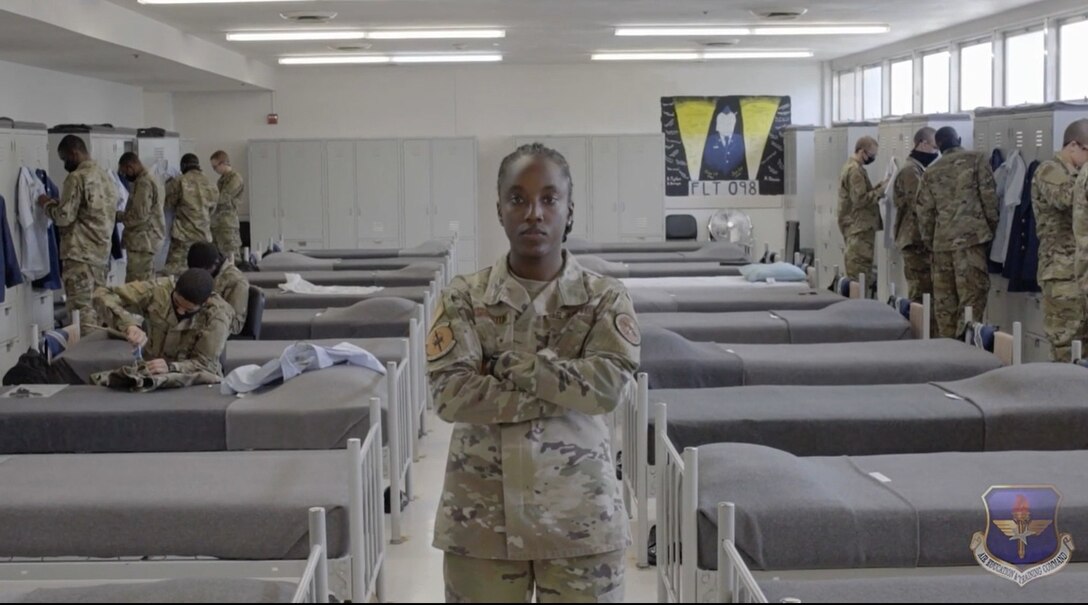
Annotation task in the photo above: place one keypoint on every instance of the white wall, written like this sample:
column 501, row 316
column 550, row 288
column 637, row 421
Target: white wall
column 493, row 103
column 159, row 110
column 30, row 94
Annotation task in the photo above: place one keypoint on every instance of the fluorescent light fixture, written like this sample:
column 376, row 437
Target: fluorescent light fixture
column 694, row 32
column 820, row 30
column 386, row 59
column 209, row 1
column 759, row 54
column 646, row 57
column 736, row 30
column 436, row 34
column 294, row 36
column 709, row 56
column 336, row 60
column 447, row 58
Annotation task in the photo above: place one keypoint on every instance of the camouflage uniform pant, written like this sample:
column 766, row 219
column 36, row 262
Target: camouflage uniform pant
column 177, row 259
column 228, row 240
column 918, row 269
column 593, row 579
column 960, row 279
column 1063, row 317
column 860, row 252
column 80, row 282
column 140, row 267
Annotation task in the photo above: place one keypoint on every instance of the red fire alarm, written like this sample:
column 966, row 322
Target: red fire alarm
column 273, row 118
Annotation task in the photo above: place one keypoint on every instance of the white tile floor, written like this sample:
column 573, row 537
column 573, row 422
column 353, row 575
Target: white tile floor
column 414, row 568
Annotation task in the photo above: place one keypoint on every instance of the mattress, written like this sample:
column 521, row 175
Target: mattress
column 227, row 505
column 581, row 246
column 717, row 282
column 97, row 353
column 845, row 321
column 831, row 513
column 1031, row 406
column 374, row 318
column 729, row 300
column 672, row 361
column 962, row 585
column 89, row 419
column 420, row 274
column 275, row 299
column 435, row 248
column 275, row 262
column 203, row 590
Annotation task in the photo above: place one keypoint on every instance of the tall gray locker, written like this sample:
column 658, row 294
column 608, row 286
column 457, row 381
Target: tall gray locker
column 833, row 146
column 800, row 205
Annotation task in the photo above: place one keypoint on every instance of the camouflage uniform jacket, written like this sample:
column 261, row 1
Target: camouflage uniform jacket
column 230, row 193
column 233, row 287
column 85, row 215
column 190, row 346
column 192, row 198
column 957, row 201
column 529, row 385
column 143, row 217
column 1080, row 228
column 906, row 195
column 859, row 210
column 1052, row 192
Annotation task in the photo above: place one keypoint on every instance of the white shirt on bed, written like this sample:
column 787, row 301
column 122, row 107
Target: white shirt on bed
column 296, row 359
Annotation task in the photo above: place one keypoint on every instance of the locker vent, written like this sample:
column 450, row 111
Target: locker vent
column 997, row 139
column 1020, row 138
column 1038, row 138
column 160, row 154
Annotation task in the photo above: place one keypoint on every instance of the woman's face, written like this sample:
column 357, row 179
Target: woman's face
column 534, row 208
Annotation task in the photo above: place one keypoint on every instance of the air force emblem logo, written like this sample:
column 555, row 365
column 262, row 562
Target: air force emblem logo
column 1021, row 541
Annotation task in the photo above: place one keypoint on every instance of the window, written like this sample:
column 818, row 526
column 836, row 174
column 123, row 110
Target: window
column 902, row 87
column 847, row 99
column 977, row 76
column 871, row 93
column 935, row 82
column 1073, row 47
column 1025, row 66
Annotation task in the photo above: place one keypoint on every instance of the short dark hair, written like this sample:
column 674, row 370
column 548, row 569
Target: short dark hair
column 72, row 143
column 203, row 255
column 947, row 138
column 539, row 150
column 129, row 159
column 189, row 162
column 195, row 286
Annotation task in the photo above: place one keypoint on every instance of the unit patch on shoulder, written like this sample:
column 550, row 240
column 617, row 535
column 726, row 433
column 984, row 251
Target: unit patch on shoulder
column 440, row 342
column 628, row 329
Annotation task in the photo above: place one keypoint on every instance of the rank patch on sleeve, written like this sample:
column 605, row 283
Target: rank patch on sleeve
column 440, row 342
column 628, row 329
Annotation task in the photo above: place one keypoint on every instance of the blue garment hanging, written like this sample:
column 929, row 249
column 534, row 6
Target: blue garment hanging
column 1022, row 262
column 13, row 274
column 51, row 281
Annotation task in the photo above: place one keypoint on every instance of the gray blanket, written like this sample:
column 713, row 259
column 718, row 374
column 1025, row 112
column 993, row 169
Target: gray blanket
column 204, row 590
column 672, row 361
column 374, row 318
column 845, row 321
column 963, row 586
column 427, row 249
column 716, row 252
column 295, row 262
column 275, row 299
column 288, row 416
column 830, row 513
column 730, row 300
column 581, row 246
column 232, row 505
column 420, row 274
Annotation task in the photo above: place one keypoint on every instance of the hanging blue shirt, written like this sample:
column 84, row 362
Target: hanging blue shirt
column 12, row 274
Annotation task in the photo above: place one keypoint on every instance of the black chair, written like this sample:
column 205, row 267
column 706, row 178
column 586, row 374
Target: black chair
column 251, row 330
column 681, row 227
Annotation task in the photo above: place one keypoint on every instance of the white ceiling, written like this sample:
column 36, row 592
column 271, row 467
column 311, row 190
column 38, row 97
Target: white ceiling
column 566, row 31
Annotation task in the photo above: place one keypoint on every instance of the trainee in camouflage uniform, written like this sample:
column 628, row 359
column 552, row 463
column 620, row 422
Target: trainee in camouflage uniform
column 225, row 226
column 917, row 264
column 1080, row 231
column 529, row 383
column 859, row 211
column 192, row 199
column 143, row 220
column 230, row 283
column 85, row 217
column 957, row 215
column 1053, row 194
column 191, row 345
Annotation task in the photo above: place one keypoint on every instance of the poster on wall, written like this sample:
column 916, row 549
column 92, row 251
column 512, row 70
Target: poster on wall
column 724, row 146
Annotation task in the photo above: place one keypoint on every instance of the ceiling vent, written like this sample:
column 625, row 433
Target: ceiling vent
column 721, row 43
column 350, row 48
column 780, row 15
column 309, row 16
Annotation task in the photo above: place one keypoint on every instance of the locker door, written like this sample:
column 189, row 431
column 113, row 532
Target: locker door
column 604, row 189
column 642, row 187
column 340, row 166
column 263, row 188
column 302, row 184
column 378, row 174
column 453, row 188
column 576, row 152
column 416, row 187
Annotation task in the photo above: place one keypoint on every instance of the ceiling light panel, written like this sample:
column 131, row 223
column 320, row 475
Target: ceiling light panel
column 294, row 36
column 437, row 34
